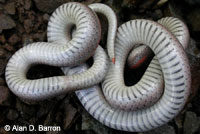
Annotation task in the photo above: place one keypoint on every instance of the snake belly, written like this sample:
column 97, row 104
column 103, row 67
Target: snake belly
column 140, row 54
column 170, row 59
column 61, row 50
column 149, row 89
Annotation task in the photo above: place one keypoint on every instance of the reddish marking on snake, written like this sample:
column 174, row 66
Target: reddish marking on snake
column 139, row 62
column 113, row 60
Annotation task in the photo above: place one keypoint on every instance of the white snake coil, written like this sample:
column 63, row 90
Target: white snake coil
column 141, row 107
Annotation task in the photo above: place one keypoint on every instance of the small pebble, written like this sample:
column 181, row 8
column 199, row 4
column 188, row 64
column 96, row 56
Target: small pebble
column 12, row 114
column 13, row 39
column 4, row 94
column 10, row 8
column 2, row 39
column 6, row 22
column 191, row 123
column 2, row 1
column 27, row 4
column 46, row 17
column 70, row 115
column 8, row 47
column 2, row 81
column 2, row 53
column 28, row 25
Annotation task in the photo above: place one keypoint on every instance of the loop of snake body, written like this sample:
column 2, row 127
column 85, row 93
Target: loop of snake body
column 140, row 107
column 60, row 50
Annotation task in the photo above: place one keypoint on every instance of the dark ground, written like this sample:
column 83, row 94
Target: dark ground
column 25, row 21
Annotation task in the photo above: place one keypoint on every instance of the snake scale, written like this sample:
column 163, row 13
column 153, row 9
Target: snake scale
column 73, row 36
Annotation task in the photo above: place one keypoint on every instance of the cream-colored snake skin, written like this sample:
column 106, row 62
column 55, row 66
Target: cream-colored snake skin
column 157, row 98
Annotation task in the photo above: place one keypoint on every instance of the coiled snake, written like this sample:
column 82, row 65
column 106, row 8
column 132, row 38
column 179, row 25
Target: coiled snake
column 141, row 107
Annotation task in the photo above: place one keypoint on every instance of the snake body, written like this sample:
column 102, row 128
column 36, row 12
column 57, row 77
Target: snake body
column 141, row 53
column 170, row 58
column 61, row 50
column 140, row 107
column 149, row 89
